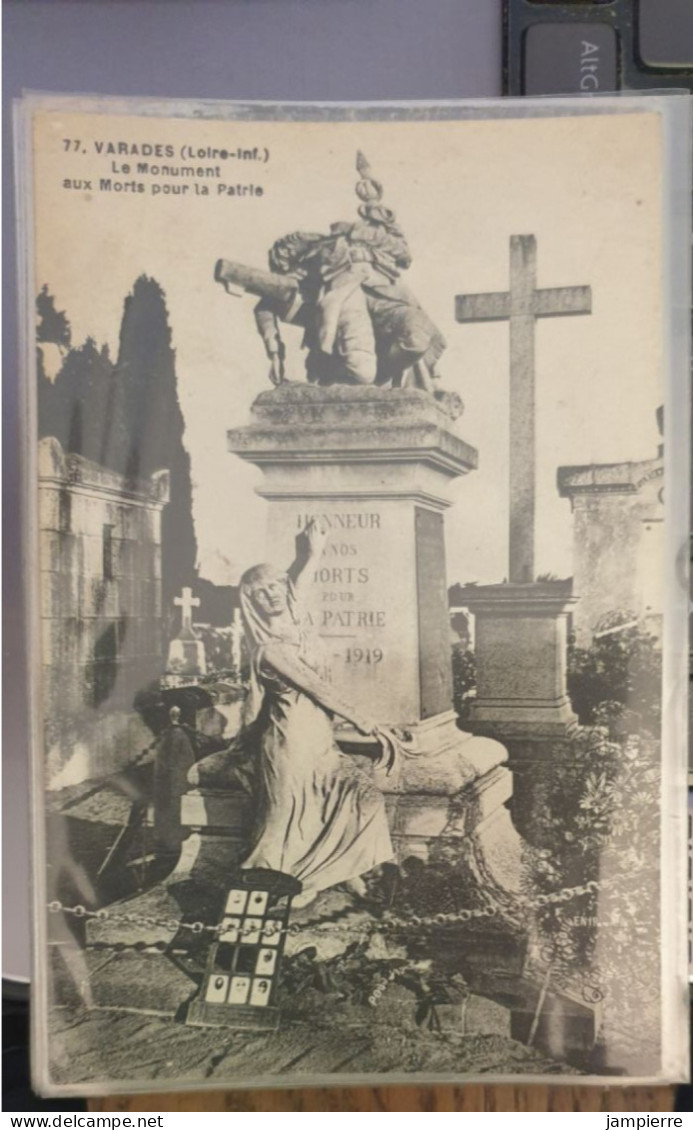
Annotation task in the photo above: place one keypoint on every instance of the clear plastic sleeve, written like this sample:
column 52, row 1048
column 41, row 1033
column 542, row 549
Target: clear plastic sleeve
column 357, row 613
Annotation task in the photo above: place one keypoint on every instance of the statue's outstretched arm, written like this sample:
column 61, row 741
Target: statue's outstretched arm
column 310, row 545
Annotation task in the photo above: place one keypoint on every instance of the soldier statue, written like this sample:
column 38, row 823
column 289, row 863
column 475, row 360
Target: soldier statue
column 361, row 324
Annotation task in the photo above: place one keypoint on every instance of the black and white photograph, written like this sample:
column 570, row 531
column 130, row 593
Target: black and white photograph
column 349, row 435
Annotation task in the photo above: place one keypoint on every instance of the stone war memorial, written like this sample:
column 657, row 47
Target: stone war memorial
column 358, row 844
column 366, row 449
column 372, row 466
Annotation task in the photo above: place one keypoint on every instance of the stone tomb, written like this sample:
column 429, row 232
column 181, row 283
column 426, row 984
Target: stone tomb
column 618, row 541
column 100, row 595
column 374, row 466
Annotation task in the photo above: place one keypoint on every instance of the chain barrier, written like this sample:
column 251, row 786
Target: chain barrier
column 389, row 923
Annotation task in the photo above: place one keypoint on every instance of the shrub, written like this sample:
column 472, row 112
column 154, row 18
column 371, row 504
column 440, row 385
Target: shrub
column 617, row 680
column 602, row 823
column 463, row 679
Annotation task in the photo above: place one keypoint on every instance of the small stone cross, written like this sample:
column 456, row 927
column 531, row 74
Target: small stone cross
column 521, row 305
column 186, row 601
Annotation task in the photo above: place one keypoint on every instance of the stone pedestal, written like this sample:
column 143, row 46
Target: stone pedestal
column 522, row 699
column 374, row 466
column 521, row 649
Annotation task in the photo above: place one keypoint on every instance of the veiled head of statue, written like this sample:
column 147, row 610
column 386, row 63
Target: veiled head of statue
column 267, row 589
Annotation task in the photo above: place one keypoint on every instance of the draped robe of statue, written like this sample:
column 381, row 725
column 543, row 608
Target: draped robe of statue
column 319, row 817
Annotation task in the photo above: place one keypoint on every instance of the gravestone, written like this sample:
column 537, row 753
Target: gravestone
column 186, row 651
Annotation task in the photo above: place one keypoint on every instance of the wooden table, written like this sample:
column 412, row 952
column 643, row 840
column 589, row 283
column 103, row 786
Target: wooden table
column 400, row 1098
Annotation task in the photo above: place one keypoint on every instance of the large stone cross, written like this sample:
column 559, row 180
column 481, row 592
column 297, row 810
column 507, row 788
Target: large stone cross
column 186, row 602
column 521, row 305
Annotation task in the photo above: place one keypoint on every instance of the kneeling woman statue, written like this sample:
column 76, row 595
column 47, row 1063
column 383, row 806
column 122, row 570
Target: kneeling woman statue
column 319, row 817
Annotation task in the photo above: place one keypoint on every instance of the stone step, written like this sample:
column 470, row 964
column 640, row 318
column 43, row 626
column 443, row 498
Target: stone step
column 106, row 978
column 142, row 982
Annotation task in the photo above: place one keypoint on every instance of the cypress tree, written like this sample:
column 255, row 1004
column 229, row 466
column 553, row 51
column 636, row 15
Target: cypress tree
column 126, row 416
column 51, row 324
column 52, row 327
column 147, row 425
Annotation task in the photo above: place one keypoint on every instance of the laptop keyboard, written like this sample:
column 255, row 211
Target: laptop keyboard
column 597, row 46
column 665, row 33
column 567, row 57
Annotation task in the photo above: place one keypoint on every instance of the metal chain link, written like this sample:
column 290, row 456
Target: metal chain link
column 389, row 922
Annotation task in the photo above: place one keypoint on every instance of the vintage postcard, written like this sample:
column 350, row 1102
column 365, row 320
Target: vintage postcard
column 353, row 593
